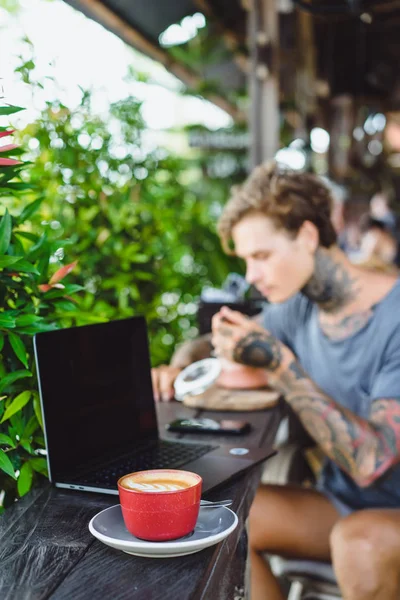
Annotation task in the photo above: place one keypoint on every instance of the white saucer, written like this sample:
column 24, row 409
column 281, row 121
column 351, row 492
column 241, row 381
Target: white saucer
column 213, row 525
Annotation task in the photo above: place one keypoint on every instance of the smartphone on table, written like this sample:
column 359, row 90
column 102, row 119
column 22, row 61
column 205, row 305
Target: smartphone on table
column 204, row 425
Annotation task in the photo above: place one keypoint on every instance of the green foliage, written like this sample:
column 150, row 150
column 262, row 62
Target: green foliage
column 141, row 223
column 27, row 306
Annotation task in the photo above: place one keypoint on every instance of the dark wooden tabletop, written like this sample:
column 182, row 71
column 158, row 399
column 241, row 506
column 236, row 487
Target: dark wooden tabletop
column 47, row 551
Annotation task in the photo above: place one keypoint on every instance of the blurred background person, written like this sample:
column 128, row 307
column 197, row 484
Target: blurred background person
column 379, row 209
column 378, row 245
column 347, row 220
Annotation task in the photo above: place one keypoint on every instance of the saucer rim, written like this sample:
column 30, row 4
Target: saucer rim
column 170, row 545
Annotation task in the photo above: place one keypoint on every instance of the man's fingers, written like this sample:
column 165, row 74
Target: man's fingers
column 166, row 383
column 222, row 344
column 233, row 316
column 155, row 382
column 216, row 320
column 163, row 378
column 221, row 326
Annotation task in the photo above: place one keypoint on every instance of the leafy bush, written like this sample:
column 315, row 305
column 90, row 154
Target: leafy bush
column 140, row 225
column 142, row 222
column 30, row 302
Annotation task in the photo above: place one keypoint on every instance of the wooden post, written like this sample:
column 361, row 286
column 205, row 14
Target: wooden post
column 341, row 128
column 306, row 87
column 263, row 36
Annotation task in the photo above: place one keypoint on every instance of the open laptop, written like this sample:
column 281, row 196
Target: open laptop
column 100, row 417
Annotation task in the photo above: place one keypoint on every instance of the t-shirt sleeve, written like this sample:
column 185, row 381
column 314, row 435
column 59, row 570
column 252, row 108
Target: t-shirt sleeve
column 274, row 321
column 387, row 382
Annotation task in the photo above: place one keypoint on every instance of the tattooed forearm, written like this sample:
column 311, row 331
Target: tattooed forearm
column 191, row 351
column 365, row 449
column 259, row 349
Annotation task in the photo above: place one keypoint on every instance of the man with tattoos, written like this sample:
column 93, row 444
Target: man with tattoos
column 330, row 341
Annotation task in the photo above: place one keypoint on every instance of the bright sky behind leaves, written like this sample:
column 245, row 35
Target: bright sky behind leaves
column 77, row 51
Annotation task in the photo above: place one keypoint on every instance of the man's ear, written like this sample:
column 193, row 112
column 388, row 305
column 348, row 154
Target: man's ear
column 308, row 236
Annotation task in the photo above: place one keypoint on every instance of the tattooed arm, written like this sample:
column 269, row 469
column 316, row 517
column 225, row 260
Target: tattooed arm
column 365, row 449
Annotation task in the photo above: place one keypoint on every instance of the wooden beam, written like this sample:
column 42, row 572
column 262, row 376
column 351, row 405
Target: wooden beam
column 96, row 10
column 384, row 7
column 263, row 36
column 231, row 40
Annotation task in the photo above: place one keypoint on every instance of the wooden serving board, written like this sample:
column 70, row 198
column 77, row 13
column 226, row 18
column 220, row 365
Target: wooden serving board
column 218, row 398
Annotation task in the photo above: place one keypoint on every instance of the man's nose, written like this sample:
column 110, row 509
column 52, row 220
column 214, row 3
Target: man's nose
column 252, row 275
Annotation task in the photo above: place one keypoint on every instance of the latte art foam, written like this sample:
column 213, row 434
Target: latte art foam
column 153, row 487
column 159, row 480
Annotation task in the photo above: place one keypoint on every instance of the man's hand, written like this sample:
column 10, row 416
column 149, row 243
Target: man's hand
column 163, row 378
column 240, row 339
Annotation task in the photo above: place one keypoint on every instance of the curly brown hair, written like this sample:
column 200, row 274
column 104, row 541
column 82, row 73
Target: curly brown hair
column 288, row 198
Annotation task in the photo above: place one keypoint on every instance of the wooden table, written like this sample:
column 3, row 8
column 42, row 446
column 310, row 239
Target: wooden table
column 47, row 551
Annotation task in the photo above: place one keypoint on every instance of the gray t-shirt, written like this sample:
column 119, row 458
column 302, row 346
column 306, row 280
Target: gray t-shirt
column 354, row 372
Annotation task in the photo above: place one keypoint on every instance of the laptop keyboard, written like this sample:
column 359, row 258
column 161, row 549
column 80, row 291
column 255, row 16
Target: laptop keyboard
column 162, row 455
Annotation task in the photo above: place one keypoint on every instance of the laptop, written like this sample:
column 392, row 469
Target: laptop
column 100, row 416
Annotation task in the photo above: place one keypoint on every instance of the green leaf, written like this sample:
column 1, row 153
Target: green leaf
column 16, row 405
column 31, row 427
column 30, row 210
column 39, row 440
column 69, row 289
column 18, row 186
column 38, row 409
column 6, row 465
column 24, row 320
column 11, row 378
column 13, row 152
column 19, row 348
column 7, row 321
column 39, row 465
column 37, row 328
column 37, row 249
column 5, row 231
column 24, row 482
column 43, row 265
column 10, row 110
column 1, row 341
column 6, row 440
column 8, row 173
column 32, row 237
column 26, row 445
column 23, row 266
column 66, row 305
column 7, row 261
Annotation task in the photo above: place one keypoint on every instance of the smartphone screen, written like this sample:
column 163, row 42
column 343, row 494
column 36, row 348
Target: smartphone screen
column 204, row 425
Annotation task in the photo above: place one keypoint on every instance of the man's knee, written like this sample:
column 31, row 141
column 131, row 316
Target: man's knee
column 352, row 541
column 364, row 549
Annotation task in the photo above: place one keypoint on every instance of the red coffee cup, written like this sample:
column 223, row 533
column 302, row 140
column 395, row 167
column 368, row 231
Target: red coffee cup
column 160, row 504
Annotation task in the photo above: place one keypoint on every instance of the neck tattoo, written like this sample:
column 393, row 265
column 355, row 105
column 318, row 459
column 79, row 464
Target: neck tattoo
column 331, row 286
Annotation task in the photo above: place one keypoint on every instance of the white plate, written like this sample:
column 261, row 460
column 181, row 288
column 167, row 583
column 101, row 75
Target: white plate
column 213, row 525
column 197, row 378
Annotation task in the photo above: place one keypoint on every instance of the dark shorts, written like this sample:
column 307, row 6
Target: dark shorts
column 343, row 509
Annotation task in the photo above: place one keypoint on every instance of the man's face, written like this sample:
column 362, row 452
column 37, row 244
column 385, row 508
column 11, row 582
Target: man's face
column 278, row 265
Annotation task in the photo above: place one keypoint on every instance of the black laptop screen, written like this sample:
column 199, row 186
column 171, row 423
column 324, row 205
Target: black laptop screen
column 96, row 392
